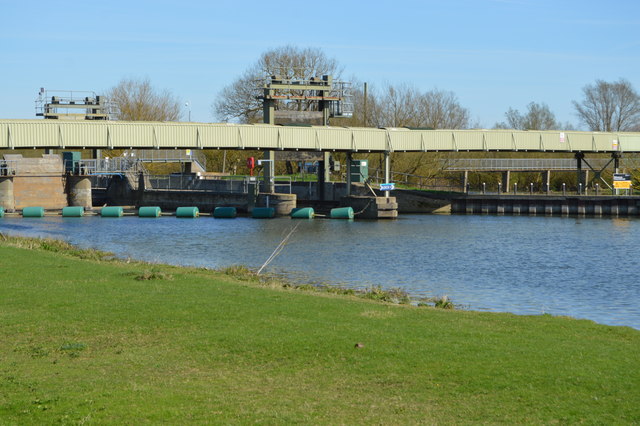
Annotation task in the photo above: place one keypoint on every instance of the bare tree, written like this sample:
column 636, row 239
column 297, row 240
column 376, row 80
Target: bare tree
column 239, row 101
column 441, row 110
column 537, row 117
column 137, row 100
column 406, row 106
column 609, row 107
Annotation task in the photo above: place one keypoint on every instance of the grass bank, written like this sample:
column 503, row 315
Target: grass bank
column 88, row 339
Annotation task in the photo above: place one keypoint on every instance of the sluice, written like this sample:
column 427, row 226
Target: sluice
column 225, row 212
column 188, row 212
column 303, row 213
column 263, row 212
column 33, row 212
column 112, row 211
column 149, row 211
column 73, row 211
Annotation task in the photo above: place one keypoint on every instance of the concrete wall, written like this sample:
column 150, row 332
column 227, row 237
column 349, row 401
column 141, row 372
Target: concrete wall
column 41, row 191
column 39, row 182
column 205, row 201
column 548, row 206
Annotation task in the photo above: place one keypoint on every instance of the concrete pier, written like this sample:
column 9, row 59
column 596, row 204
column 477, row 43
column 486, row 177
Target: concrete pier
column 79, row 191
column 369, row 207
column 7, row 200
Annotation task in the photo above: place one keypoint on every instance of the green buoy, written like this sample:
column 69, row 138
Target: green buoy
column 342, row 213
column 225, row 212
column 33, row 212
column 263, row 212
column 73, row 211
column 149, row 211
column 187, row 212
column 303, row 213
column 112, row 211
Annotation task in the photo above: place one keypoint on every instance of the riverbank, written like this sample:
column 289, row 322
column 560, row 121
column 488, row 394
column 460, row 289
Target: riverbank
column 86, row 338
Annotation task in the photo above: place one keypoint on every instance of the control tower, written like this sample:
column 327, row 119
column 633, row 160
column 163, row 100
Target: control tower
column 71, row 105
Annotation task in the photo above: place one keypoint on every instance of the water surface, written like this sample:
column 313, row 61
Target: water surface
column 580, row 267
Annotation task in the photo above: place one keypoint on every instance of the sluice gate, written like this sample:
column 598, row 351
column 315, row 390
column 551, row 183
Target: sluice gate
column 535, row 205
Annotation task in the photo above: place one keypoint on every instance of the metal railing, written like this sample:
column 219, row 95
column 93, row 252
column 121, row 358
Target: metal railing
column 232, row 184
column 282, row 182
column 518, row 164
column 376, row 176
column 9, row 167
column 167, row 156
column 543, row 189
column 181, row 182
column 105, row 166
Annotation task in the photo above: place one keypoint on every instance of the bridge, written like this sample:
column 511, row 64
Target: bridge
column 90, row 134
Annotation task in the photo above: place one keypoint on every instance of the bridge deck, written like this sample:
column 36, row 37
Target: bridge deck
column 15, row 134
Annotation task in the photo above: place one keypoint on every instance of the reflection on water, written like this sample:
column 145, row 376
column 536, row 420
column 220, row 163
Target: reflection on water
column 584, row 267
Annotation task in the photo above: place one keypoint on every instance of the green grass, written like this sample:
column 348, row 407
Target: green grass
column 87, row 339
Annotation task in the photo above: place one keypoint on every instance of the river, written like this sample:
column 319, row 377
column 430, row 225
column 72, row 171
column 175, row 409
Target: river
column 579, row 267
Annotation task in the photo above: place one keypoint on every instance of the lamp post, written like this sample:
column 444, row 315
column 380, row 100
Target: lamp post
column 188, row 105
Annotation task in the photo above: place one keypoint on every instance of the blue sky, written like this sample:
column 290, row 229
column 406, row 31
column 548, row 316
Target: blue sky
column 493, row 54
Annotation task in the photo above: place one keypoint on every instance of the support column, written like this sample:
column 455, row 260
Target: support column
column 269, row 171
column 7, row 199
column 579, row 156
column 269, row 117
column 324, row 175
column 616, row 161
column 79, row 191
column 387, row 171
column 546, row 180
column 325, row 170
column 506, row 177
column 465, row 180
column 349, row 160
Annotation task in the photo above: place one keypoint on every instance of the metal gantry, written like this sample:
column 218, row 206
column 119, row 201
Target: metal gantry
column 20, row 134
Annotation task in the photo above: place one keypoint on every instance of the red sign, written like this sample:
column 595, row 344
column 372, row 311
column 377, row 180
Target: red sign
column 251, row 164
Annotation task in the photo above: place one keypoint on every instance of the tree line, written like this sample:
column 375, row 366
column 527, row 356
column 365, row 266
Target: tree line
column 605, row 106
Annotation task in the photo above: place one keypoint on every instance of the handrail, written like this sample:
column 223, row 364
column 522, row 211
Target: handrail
column 517, row 164
column 8, row 167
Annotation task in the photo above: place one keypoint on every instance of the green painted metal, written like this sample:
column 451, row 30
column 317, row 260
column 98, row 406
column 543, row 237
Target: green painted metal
column 225, row 212
column 112, row 211
column 149, row 211
column 73, row 211
column 1, row 212
column 189, row 212
column 70, row 160
column 359, row 170
column 263, row 212
column 342, row 213
column 33, row 212
column 303, row 213
column 121, row 134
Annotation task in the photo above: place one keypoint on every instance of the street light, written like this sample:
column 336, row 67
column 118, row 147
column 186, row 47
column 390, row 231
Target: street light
column 188, row 105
